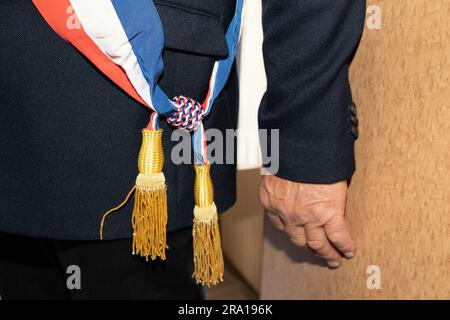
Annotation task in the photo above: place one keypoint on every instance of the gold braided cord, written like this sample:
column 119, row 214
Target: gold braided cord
column 205, row 214
column 203, row 187
column 150, row 181
column 106, row 214
column 151, row 155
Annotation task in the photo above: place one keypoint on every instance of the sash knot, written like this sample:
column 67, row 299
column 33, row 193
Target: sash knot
column 189, row 115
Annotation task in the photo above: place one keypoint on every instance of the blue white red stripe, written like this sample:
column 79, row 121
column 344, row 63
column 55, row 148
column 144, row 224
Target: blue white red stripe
column 129, row 33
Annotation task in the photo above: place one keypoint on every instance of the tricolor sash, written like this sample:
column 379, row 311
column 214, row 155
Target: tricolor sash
column 124, row 39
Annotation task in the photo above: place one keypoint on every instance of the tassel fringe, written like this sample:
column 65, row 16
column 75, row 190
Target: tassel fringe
column 150, row 217
column 208, row 258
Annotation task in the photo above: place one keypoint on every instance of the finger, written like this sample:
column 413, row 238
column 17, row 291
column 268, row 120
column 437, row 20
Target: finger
column 337, row 233
column 317, row 241
column 276, row 220
column 264, row 196
column 297, row 235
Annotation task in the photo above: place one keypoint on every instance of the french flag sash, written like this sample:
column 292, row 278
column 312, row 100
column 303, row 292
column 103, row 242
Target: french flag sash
column 124, row 39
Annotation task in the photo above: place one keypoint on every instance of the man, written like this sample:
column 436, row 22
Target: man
column 70, row 139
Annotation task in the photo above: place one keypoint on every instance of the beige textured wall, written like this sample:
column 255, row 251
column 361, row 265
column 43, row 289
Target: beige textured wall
column 242, row 230
column 399, row 204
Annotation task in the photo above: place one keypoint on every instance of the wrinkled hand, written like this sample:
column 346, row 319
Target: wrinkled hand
column 311, row 214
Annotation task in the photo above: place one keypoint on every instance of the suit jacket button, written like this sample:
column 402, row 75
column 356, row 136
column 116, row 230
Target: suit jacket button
column 355, row 132
column 353, row 109
column 354, row 120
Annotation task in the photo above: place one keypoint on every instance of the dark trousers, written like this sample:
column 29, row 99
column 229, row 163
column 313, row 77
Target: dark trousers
column 33, row 268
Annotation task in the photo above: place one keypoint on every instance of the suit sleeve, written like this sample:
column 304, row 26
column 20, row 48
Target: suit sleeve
column 308, row 45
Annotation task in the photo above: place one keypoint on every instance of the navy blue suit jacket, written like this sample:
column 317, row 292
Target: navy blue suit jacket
column 69, row 138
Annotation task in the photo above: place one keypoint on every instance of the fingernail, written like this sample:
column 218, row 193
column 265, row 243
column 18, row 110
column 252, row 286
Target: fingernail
column 349, row 255
column 333, row 264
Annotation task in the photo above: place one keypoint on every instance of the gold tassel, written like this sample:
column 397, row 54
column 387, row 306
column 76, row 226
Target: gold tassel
column 150, row 205
column 208, row 259
column 149, row 218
